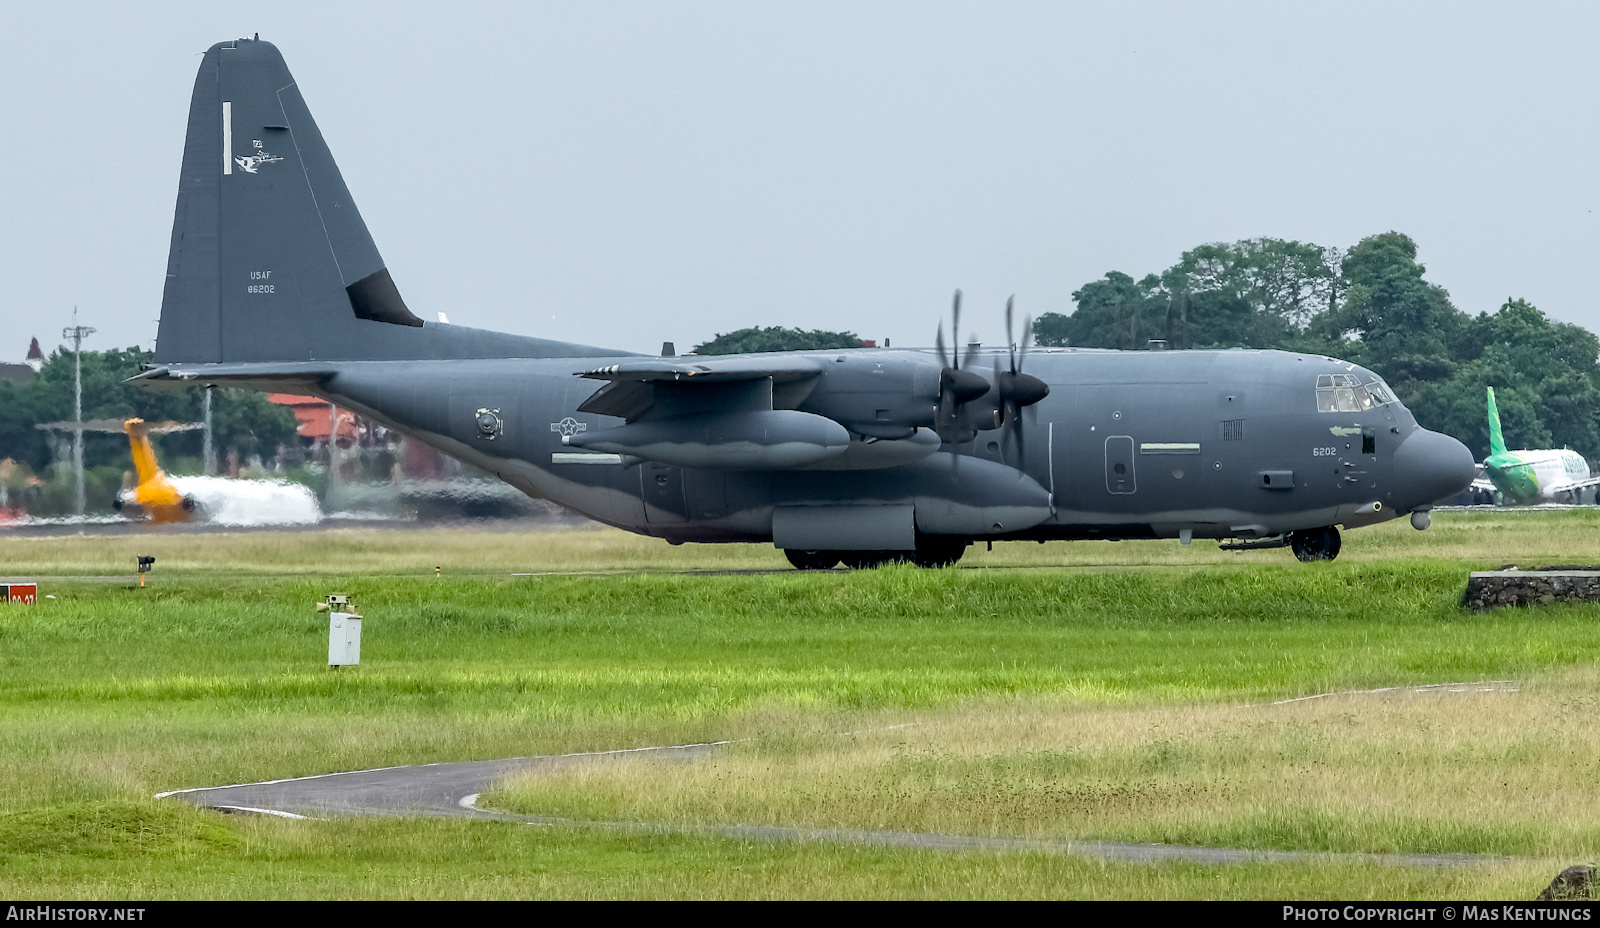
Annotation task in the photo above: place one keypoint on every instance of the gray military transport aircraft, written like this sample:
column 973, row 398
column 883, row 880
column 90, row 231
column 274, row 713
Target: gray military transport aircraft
column 862, row 456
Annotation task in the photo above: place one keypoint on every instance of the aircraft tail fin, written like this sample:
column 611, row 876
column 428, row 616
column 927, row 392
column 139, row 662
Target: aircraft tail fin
column 1497, row 441
column 144, row 454
column 270, row 259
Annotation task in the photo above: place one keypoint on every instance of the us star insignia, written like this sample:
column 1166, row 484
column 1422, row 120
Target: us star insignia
column 569, row 427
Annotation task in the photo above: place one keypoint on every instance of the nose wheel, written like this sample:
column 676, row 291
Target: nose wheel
column 1315, row 544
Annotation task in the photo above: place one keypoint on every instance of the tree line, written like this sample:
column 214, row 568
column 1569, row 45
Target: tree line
column 241, row 420
column 1371, row 304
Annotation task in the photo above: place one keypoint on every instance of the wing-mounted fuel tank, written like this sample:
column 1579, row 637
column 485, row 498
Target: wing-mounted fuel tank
column 771, row 439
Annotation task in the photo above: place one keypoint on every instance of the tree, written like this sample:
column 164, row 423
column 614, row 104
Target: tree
column 1392, row 320
column 1545, row 378
column 1053, row 330
column 1372, row 305
column 1115, row 312
column 242, row 420
column 776, row 338
column 1257, row 293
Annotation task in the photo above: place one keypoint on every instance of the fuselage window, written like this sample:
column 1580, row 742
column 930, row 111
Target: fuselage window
column 1344, row 393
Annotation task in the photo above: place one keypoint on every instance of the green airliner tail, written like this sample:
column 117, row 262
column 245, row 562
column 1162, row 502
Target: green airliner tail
column 1497, row 441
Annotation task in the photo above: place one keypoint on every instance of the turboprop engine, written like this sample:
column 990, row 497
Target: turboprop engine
column 771, row 439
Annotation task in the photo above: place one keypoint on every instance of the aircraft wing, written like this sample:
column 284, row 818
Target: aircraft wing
column 1577, row 485
column 631, row 390
column 708, row 370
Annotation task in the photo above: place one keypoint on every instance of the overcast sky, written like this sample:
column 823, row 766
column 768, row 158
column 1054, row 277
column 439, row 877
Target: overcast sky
column 622, row 174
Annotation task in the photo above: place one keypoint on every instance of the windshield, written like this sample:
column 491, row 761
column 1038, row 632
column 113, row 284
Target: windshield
column 1346, row 393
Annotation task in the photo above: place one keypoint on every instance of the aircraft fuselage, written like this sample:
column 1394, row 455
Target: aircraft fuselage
column 1215, row 444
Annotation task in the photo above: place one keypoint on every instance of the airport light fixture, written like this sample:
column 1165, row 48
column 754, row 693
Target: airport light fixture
column 76, row 334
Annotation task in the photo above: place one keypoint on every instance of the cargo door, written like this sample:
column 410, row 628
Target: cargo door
column 1119, row 465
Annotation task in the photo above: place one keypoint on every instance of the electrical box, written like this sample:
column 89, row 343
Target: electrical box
column 344, row 639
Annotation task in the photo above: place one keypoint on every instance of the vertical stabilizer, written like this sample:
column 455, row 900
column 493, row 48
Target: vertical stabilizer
column 144, row 454
column 1497, row 441
column 270, row 259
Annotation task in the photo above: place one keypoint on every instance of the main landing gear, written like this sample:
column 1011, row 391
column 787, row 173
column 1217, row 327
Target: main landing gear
column 932, row 551
column 1315, row 544
column 811, row 560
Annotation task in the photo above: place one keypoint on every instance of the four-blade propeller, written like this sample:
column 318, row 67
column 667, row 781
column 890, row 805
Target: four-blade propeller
column 1016, row 389
column 957, row 386
column 959, row 416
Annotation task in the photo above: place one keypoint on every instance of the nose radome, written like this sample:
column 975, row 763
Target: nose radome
column 1428, row 467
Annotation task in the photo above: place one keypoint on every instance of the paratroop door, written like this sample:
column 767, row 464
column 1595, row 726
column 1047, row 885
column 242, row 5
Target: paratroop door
column 1119, row 464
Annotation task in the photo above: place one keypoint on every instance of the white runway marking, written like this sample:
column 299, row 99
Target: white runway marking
column 278, row 812
column 1481, row 686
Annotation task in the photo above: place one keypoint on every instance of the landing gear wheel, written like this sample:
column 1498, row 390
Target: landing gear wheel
column 811, row 560
column 1315, row 544
column 939, row 550
column 866, row 560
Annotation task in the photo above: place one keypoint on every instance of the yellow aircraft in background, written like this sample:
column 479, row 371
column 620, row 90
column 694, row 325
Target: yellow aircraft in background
column 154, row 496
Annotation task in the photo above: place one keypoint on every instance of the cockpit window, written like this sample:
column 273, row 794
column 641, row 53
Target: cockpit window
column 1346, row 393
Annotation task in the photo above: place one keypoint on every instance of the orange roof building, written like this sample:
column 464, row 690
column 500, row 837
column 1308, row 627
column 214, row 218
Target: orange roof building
column 313, row 416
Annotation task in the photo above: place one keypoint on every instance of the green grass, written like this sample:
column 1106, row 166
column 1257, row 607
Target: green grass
column 1474, row 771
column 109, row 694
column 1482, row 539
column 184, row 853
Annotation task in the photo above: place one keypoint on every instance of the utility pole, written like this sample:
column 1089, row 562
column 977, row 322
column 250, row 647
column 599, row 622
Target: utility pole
column 76, row 334
column 207, row 455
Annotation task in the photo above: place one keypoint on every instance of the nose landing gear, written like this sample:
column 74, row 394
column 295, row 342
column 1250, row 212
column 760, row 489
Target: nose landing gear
column 1315, row 544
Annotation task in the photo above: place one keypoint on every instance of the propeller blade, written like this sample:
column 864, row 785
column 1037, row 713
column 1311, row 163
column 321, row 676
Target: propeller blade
column 939, row 343
column 1027, row 339
column 1011, row 344
column 955, row 324
column 1016, row 426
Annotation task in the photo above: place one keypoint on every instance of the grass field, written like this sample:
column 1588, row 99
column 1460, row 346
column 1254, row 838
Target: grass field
column 1095, row 690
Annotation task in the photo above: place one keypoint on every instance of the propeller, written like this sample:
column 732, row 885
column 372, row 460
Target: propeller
column 1016, row 390
column 957, row 386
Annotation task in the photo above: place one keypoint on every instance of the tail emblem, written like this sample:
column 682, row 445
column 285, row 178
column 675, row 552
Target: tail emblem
column 249, row 163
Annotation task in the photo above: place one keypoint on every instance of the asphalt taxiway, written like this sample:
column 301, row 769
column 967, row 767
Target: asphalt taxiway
column 452, row 790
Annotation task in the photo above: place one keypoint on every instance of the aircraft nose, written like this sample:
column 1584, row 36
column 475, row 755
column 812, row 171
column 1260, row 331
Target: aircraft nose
column 1428, row 467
